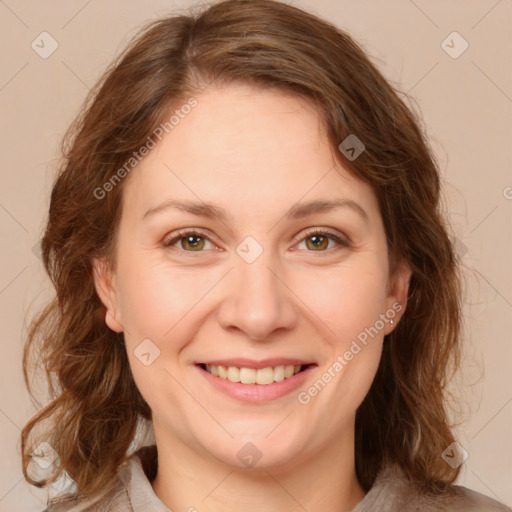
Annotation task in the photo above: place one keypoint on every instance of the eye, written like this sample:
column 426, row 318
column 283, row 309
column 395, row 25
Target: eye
column 191, row 241
column 320, row 238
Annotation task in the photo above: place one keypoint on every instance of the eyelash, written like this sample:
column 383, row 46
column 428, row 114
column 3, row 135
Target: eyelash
column 315, row 231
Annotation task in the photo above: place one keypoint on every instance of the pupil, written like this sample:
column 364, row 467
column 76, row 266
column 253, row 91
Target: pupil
column 190, row 241
column 317, row 241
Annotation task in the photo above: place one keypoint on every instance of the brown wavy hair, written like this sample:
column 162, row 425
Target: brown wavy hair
column 95, row 406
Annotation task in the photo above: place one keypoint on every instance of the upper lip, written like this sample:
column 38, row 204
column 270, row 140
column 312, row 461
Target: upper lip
column 242, row 362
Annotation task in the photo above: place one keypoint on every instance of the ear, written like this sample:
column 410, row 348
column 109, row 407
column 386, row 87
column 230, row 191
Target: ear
column 396, row 300
column 104, row 282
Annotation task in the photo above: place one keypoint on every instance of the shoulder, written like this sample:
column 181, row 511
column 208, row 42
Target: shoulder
column 393, row 491
column 457, row 499
column 470, row 501
column 132, row 490
column 115, row 498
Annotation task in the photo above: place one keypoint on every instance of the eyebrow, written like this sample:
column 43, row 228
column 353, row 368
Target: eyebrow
column 297, row 211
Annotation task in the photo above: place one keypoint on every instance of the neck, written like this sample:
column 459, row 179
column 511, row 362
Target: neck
column 190, row 480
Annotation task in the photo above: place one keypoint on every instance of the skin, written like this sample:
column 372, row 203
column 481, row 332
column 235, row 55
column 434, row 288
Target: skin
column 255, row 153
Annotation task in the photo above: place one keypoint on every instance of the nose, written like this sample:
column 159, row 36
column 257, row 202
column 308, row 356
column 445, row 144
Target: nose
column 258, row 300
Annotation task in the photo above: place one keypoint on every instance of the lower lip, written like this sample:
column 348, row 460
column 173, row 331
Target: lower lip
column 257, row 393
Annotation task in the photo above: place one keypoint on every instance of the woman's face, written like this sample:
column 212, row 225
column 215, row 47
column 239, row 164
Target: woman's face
column 251, row 285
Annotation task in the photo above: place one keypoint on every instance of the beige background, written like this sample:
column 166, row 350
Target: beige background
column 466, row 103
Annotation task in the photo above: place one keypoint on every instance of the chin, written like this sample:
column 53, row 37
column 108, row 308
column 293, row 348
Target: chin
column 258, row 450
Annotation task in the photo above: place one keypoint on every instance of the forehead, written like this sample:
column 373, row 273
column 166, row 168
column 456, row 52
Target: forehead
column 240, row 127
column 247, row 147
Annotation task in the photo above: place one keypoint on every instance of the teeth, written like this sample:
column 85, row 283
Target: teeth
column 279, row 373
column 263, row 376
column 223, row 372
column 234, row 374
column 247, row 375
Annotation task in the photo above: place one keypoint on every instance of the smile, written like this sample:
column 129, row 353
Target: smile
column 262, row 376
column 255, row 385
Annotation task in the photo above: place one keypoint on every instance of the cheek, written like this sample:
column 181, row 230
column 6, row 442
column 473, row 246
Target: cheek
column 154, row 303
column 154, row 296
column 349, row 298
column 351, row 302
column 162, row 304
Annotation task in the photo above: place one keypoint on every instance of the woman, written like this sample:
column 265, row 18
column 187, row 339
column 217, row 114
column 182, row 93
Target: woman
column 249, row 258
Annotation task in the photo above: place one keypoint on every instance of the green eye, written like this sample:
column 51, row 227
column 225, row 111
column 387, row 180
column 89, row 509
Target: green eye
column 320, row 240
column 191, row 241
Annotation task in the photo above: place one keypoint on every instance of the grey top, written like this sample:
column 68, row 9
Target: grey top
column 391, row 492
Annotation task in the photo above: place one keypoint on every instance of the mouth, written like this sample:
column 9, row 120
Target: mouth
column 256, row 382
column 255, row 373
